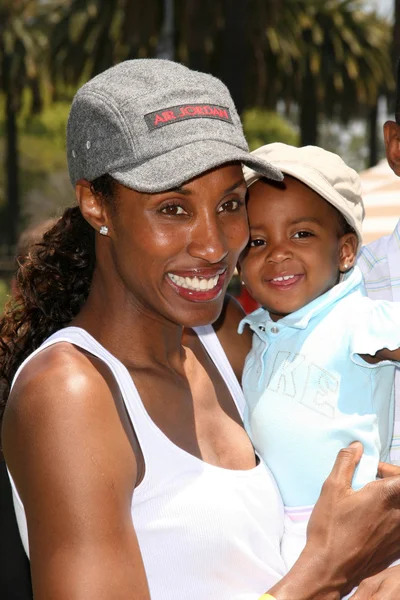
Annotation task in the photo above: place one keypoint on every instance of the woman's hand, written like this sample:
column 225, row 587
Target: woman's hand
column 351, row 535
column 383, row 586
column 362, row 527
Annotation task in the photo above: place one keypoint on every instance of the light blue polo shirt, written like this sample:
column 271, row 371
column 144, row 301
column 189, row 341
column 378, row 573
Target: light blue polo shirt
column 309, row 393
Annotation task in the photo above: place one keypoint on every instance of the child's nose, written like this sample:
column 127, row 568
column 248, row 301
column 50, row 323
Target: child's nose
column 278, row 252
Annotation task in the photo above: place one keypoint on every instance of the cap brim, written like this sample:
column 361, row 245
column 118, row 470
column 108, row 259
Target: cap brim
column 316, row 182
column 174, row 168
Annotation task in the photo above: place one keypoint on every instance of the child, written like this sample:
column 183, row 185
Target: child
column 319, row 374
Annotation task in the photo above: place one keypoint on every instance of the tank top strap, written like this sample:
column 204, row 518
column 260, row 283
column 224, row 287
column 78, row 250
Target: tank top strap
column 211, row 343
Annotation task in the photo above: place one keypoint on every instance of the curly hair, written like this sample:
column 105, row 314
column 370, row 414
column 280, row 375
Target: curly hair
column 53, row 282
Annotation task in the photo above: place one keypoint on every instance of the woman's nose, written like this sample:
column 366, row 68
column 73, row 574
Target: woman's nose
column 208, row 241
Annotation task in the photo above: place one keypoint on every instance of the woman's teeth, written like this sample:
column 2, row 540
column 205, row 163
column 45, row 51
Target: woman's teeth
column 194, row 283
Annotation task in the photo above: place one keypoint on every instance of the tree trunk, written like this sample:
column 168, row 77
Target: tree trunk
column 308, row 121
column 372, row 135
column 11, row 166
column 196, row 23
column 394, row 98
column 166, row 42
column 234, row 50
column 396, row 35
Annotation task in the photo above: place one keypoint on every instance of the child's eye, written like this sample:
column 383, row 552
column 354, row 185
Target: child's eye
column 302, row 234
column 255, row 243
column 230, row 206
column 173, row 210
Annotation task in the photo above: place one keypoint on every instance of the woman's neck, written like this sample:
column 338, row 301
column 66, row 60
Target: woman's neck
column 134, row 334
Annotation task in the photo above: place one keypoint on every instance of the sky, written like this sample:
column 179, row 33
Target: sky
column 384, row 7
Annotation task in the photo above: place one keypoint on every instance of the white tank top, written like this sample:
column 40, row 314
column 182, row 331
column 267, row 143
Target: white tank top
column 204, row 531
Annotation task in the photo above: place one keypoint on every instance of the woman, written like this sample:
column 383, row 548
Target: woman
column 131, row 470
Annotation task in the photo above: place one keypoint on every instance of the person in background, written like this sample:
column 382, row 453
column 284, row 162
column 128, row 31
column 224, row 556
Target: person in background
column 379, row 261
column 15, row 577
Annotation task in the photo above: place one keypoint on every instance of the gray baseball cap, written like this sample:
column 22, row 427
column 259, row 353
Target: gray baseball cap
column 153, row 125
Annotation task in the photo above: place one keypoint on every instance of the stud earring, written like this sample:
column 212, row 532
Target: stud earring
column 103, row 230
column 345, row 266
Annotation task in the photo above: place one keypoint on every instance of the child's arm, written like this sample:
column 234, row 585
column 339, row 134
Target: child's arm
column 376, row 331
column 386, row 354
column 381, row 355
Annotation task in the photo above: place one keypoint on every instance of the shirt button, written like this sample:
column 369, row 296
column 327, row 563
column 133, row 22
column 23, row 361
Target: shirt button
column 261, row 328
column 274, row 330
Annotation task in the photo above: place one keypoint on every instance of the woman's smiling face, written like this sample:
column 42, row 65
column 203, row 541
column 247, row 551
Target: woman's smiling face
column 296, row 245
column 176, row 251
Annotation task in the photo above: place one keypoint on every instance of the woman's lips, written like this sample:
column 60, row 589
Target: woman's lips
column 198, row 288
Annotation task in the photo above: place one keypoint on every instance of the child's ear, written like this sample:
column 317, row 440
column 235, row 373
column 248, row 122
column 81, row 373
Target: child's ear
column 348, row 251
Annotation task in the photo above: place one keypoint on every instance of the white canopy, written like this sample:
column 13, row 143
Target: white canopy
column 381, row 194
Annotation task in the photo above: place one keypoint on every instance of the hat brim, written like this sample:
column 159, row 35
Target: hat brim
column 317, row 183
column 176, row 167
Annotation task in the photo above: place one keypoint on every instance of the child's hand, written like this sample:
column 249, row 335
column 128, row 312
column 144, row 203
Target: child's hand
column 383, row 586
column 387, row 470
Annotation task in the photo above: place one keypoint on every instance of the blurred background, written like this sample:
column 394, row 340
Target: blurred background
column 300, row 71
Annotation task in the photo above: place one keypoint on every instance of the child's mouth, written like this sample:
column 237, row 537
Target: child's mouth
column 285, row 282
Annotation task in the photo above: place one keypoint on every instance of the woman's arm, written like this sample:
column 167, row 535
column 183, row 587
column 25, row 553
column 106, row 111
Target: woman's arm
column 351, row 535
column 76, row 472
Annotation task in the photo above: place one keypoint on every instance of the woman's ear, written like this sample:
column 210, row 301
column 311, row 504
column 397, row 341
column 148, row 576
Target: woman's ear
column 91, row 205
column 348, row 251
column 391, row 133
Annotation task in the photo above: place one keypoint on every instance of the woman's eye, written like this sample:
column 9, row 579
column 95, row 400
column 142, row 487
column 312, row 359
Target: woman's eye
column 173, row 210
column 256, row 243
column 230, row 206
column 302, row 234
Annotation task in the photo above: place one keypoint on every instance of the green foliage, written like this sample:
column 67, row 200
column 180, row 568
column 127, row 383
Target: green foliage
column 4, row 294
column 43, row 138
column 88, row 36
column 44, row 183
column 264, row 127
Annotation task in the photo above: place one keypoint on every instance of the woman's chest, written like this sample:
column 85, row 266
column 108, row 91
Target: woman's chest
column 194, row 409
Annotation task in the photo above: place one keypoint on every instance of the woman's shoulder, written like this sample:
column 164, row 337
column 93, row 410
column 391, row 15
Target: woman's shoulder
column 62, row 418
column 59, row 369
column 59, row 386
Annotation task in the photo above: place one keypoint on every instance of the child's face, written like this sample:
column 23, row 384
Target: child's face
column 296, row 249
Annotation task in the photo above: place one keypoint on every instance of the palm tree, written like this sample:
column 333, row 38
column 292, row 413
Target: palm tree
column 92, row 35
column 396, row 40
column 22, row 44
column 349, row 62
column 331, row 56
column 327, row 56
column 395, row 52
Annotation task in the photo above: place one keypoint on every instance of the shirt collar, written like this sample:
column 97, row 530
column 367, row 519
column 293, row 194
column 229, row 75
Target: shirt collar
column 300, row 319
